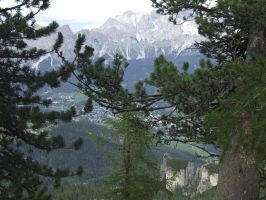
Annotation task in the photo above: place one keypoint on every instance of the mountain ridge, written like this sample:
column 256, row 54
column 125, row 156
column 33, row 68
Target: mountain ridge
column 134, row 35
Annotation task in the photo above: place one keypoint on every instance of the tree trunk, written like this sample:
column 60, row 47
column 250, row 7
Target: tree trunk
column 127, row 163
column 238, row 178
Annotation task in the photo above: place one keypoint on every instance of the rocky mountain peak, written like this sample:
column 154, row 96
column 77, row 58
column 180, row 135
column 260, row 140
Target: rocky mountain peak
column 134, row 35
column 65, row 29
column 131, row 18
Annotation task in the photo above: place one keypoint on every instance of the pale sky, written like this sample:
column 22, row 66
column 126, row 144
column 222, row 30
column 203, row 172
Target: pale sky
column 80, row 14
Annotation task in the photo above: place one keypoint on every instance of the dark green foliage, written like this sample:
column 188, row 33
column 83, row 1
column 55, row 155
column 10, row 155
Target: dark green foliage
column 177, row 164
column 136, row 176
column 219, row 93
column 178, row 195
column 188, row 96
column 96, row 190
column 80, row 191
column 79, row 171
column 88, row 106
column 249, row 96
column 101, row 83
column 78, row 144
column 92, row 156
column 21, row 115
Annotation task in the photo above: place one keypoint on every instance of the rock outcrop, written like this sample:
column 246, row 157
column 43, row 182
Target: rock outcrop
column 187, row 176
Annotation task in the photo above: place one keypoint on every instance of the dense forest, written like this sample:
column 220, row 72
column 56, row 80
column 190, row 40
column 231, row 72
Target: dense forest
column 211, row 120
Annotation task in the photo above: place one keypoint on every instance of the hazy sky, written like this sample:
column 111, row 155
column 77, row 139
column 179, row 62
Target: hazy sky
column 89, row 13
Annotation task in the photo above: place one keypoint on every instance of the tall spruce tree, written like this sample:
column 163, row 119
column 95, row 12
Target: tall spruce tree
column 135, row 175
column 21, row 108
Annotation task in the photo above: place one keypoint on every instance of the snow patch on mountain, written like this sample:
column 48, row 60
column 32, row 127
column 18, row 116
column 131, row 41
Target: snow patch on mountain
column 190, row 28
column 134, row 35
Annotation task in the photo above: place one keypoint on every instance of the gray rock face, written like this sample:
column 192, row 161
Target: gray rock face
column 134, row 35
column 140, row 35
column 206, row 180
column 191, row 179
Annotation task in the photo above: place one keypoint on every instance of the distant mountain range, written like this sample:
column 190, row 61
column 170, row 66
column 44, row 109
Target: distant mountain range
column 139, row 37
column 136, row 36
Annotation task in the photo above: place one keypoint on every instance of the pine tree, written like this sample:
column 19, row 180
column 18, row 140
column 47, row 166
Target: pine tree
column 232, row 92
column 22, row 110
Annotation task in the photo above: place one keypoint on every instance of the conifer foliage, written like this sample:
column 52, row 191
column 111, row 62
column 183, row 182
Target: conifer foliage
column 21, row 108
column 227, row 24
column 229, row 97
column 136, row 175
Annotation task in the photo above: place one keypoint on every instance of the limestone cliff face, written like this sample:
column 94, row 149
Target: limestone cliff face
column 206, row 180
column 187, row 176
